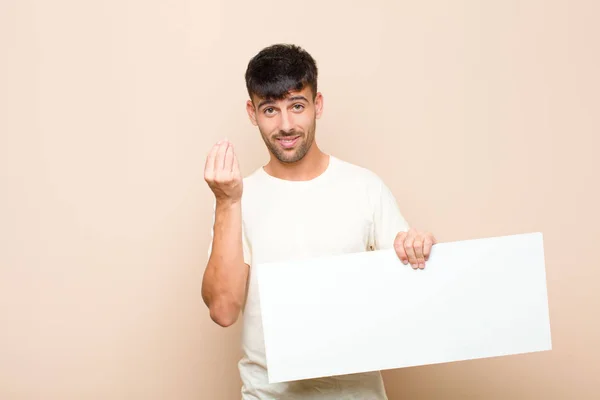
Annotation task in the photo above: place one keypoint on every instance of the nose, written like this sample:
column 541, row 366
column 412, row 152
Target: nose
column 286, row 122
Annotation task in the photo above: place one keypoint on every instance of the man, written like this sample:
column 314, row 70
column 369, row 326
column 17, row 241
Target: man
column 302, row 204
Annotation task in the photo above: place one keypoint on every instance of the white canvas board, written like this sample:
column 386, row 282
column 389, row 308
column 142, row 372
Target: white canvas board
column 367, row 311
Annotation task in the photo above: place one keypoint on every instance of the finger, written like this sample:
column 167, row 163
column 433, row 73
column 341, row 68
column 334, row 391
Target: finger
column 418, row 246
column 220, row 158
column 209, row 168
column 229, row 158
column 399, row 247
column 427, row 244
column 410, row 251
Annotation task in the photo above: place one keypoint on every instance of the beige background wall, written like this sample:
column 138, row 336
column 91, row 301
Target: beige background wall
column 481, row 116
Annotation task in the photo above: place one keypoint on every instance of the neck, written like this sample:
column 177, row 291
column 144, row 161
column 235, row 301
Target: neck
column 313, row 164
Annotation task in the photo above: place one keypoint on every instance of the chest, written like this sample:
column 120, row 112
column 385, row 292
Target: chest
column 293, row 225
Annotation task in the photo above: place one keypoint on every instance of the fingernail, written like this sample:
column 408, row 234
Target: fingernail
column 405, row 262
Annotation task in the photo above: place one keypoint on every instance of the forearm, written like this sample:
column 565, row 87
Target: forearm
column 225, row 277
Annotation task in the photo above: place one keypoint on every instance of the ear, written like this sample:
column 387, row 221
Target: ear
column 318, row 105
column 251, row 112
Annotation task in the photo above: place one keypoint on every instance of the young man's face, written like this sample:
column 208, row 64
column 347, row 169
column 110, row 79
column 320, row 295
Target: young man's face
column 287, row 126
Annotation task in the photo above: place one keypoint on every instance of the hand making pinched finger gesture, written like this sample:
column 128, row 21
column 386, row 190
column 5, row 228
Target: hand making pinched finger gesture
column 222, row 173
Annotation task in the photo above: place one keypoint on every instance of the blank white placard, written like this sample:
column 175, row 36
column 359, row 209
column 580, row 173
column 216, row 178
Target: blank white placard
column 367, row 311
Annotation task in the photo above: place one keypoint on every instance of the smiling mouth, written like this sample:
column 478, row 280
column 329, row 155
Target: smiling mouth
column 288, row 142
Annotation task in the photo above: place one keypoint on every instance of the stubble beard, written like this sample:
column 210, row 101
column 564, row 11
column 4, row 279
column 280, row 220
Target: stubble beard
column 289, row 157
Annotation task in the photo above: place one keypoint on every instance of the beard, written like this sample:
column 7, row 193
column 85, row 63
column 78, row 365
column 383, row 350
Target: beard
column 292, row 155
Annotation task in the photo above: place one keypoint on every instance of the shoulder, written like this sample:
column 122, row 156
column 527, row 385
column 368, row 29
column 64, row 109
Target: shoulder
column 252, row 177
column 358, row 173
column 253, row 185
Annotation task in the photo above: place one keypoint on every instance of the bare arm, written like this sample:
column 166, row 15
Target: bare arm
column 224, row 282
column 226, row 274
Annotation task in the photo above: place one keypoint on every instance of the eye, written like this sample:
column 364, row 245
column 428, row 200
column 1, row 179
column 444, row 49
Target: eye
column 298, row 107
column 269, row 111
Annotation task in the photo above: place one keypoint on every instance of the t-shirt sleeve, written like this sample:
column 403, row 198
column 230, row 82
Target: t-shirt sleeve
column 245, row 243
column 387, row 219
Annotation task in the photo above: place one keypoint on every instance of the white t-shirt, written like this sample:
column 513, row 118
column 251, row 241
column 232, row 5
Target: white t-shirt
column 346, row 209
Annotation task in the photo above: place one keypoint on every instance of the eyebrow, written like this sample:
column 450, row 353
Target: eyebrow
column 290, row 99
